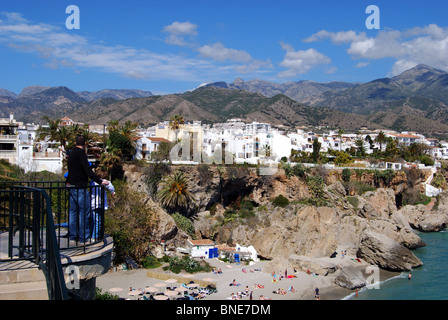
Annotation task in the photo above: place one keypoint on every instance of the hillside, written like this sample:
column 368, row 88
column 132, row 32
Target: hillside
column 211, row 104
column 300, row 91
column 415, row 100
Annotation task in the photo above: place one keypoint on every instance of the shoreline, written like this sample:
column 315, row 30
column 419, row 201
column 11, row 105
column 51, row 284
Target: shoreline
column 303, row 284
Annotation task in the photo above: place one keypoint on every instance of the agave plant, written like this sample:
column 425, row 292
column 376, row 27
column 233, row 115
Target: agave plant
column 174, row 192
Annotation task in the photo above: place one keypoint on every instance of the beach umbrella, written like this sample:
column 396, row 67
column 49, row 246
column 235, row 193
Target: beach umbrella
column 170, row 281
column 151, row 289
column 180, row 289
column 134, row 293
column 171, row 293
column 160, row 284
column 115, row 289
column 209, row 279
column 161, row 297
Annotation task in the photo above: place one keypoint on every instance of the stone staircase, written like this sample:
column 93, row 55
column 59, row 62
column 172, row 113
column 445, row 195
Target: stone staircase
column 23, row 284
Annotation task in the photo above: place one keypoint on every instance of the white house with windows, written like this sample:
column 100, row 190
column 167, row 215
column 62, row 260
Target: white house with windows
column 203, row 248
column 144, row 146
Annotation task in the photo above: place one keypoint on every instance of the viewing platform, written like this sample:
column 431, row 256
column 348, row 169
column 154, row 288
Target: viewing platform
column 45, row 264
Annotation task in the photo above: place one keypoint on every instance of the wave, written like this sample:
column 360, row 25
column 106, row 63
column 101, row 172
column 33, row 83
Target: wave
column 374, row 285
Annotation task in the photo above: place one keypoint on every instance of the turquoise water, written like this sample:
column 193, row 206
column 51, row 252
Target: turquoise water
column 428, row 282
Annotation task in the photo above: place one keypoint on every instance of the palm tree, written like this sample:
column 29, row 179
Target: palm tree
column 176, row 122
column 49, row 132
column 381, row 138
column 174, row 192
column 112, row 125
column 63, row 135
column 128, row 130
column 110, row 163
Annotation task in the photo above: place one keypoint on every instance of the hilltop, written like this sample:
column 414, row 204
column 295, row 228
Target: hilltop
column 415, row 100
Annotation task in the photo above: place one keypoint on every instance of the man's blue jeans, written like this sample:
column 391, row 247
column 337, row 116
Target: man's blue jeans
column 79, row 214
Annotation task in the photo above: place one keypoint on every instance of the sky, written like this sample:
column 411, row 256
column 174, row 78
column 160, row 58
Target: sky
column 173, row 46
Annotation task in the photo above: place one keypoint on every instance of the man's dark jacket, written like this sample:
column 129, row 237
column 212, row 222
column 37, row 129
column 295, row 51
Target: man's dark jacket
column 79, row 170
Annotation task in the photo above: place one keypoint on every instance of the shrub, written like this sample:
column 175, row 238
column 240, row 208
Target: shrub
column 316, row 186
column 183, row 223
column 426, row 160
column 188, row 264
column 386, row 176
column 150, row 262
column 280, row 201
column 130, row 222
column 99, row 295
column 299, row 170
column 346, row 175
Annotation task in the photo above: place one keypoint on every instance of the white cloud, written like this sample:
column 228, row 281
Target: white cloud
column 181, row 28
column 418, row 45
column 301, row 61
column 337, row 37
column 177, row 31
column 220, row 53
column 59, row 48
column 362, row 64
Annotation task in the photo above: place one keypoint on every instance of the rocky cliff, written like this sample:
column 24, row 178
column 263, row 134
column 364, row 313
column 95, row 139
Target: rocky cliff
column 234, row 205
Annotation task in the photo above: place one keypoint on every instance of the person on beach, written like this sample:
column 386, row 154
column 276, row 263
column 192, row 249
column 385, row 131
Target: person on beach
column 409, row 276
column 316, row 293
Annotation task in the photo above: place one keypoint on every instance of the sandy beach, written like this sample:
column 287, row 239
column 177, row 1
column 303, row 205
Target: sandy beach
column 259, row 282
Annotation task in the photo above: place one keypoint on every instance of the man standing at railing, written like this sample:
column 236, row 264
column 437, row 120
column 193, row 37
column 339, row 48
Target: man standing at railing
column 79, row 172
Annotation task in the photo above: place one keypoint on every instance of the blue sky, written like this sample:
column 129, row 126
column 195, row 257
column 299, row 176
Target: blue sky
column 173, row 46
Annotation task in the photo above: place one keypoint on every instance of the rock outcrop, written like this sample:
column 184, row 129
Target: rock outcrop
column 350, row 277
column 378, row 249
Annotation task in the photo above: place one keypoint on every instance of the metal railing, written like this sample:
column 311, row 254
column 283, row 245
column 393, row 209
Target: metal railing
column 39, row 219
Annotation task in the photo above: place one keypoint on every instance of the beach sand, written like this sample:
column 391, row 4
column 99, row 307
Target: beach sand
column 303, row 283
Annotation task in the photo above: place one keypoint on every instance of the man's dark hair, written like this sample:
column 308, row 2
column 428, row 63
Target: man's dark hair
column 80, row 141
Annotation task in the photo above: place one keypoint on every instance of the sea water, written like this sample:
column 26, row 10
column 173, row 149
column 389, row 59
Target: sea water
column 428, row 282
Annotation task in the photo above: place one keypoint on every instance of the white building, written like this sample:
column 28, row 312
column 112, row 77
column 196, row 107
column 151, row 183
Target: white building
column 202, row 248
column 144, row 146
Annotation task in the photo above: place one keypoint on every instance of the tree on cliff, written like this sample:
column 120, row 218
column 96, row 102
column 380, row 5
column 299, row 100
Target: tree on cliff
column 174, row 193
column 176, row 122
column 316, row 150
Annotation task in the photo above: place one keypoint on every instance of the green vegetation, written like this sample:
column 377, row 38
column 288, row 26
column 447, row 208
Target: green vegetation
column 187, row 264
column 316, row 186
column 184, row 223
column 153, row 174
column 346, row 175
column 353, row 201
column 280, row 201
column 130, row 222
column 297, row 170
column 385, row 176
column 99, row 295
column 151, row 262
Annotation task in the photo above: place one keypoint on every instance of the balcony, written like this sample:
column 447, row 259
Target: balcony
column 34, row 222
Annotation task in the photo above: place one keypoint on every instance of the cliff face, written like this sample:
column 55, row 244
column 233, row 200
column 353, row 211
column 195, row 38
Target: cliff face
column 234, row 205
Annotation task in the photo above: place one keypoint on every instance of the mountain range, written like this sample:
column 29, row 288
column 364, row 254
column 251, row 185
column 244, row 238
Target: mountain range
column 415, row 100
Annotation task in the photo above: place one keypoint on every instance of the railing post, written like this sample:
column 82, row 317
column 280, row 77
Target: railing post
column 11, row 223
column 36, row 227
